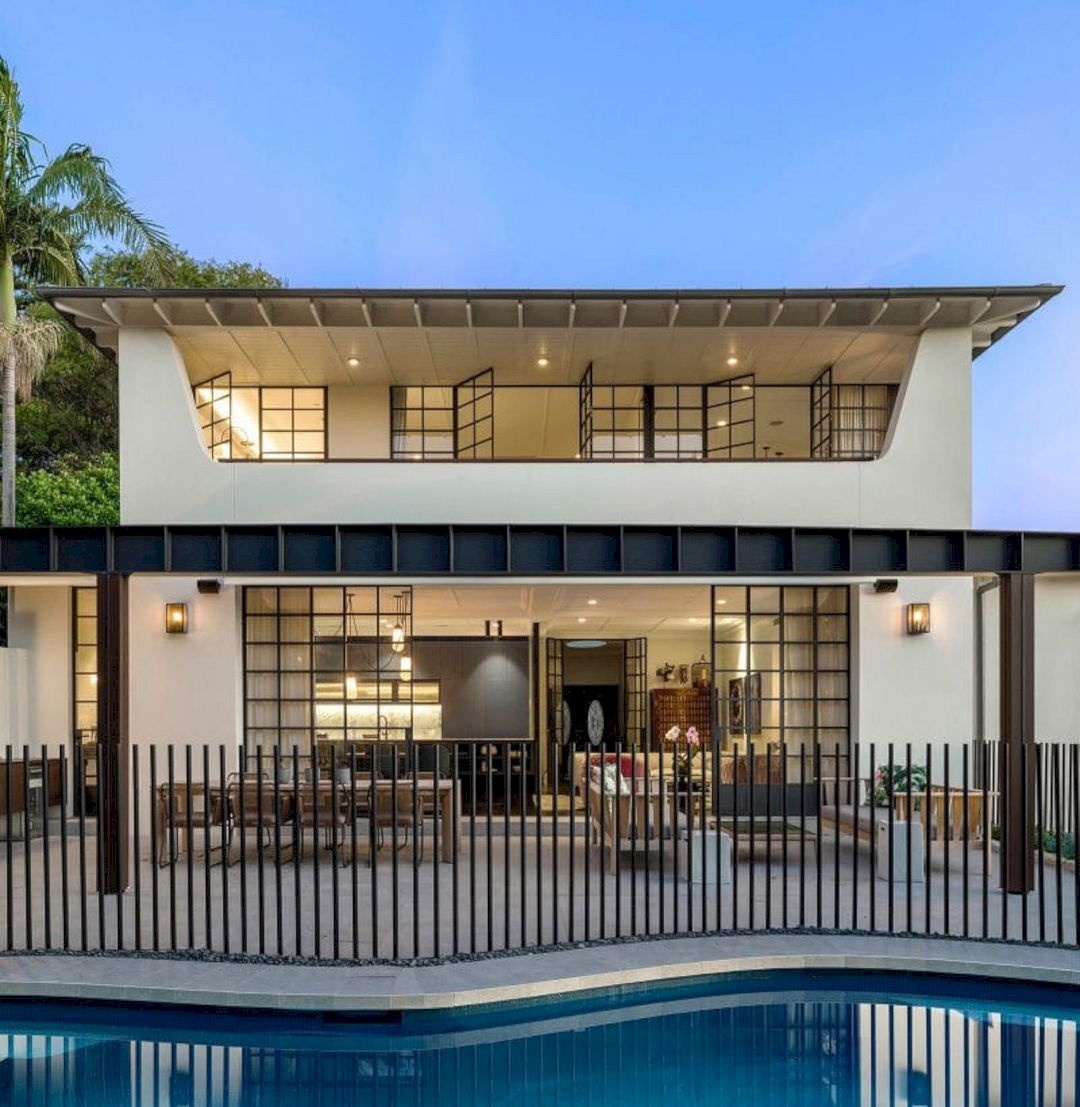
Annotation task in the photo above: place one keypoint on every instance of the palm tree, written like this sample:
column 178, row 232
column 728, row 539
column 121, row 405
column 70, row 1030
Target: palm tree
column 49, row 210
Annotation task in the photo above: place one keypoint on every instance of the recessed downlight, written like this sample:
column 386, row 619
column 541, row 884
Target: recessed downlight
column 592, row 602
column 581, row 618
column 352, row 362
column 721, row 422
column 542, row 362
column 733, row 361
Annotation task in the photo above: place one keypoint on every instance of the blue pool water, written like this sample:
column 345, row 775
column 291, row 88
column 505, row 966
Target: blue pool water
column 756, row 1041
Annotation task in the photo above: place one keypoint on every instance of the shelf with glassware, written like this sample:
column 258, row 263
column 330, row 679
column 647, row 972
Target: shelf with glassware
column 394, row 710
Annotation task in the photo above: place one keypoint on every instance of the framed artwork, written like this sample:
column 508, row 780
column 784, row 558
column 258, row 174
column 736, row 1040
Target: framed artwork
column 736, row 706
column 744, row 704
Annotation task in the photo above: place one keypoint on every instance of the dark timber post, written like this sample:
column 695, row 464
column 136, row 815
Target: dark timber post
column 1017, row 765
column 112, row 702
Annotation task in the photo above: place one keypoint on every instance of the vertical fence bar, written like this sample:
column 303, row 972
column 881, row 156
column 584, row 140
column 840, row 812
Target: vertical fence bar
column 1040, row 831
column 662, row 785
column 260, row 847
column 472, row 847
column 417, row 838
column 927, row 808
column 207, row 801
column 354, row 891
column 751, row 889
column 555, row 843
column 155, row 846
column 817, row 849
column 603, row 842
column 928, row 818
column 854, row 797
column 802, row 833
column 945, row 834
column 966, row 839
column 985, row 816
column 1076, row 843
column 65, row 890
column 704, row 822
column 1025, row 823
column 373, row 853
column 279, row 909
column 836, row 835
column 718, row 840
column 9, row 869
column 45, row 865
column 241, row 802
column 1059, row 842
column 784, row 845
column 1004, row 830
column 28, row 897
column 333, row 829
column 523, row 887
column 298, row 849
column 99, row 858
column 489, row 888
column 189, row 843
column 572, row 790
column 632, row 830
column 736, row 820
column 768, row 837
column 226, row 848
column 872, row 884
column 457, row 843
column 507, row 793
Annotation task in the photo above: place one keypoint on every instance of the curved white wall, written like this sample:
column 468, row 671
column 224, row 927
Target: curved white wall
column 923, row 479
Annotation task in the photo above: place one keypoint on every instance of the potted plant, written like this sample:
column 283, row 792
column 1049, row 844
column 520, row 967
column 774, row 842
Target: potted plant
column 897, row 781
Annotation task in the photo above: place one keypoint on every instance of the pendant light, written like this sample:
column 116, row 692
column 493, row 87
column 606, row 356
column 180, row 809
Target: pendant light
column 397, row 635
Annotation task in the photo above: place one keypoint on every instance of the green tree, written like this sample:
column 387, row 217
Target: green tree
column 49, row 210
column 67, row 496
column 129, row 269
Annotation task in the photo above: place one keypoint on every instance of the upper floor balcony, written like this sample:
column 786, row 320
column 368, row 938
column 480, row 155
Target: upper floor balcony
column 305, row 406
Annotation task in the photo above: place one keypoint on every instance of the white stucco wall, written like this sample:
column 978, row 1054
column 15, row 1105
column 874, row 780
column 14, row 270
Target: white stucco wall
column 923, row 479
column 185, row 687
column 14, row 696
column 40, row 625
column 914, row 688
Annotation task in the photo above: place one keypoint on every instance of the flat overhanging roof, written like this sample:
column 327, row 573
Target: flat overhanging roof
column 408, row 335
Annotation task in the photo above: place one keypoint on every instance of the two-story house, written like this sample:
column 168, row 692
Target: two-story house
column 570, row 517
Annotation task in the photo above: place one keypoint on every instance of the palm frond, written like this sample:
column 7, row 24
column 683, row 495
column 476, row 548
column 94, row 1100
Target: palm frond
column 99, row 206
column 33, row 342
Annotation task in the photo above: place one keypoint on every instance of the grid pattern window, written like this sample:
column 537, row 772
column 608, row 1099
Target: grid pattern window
column 781, row 660
column 730, row 418
column 636, row 682
column 849, row 422
column 475, row 402
column 328, row 665
column 617, row 421
column 678, row 421
column 84, row 663
column 248, row 423
column 422, row 422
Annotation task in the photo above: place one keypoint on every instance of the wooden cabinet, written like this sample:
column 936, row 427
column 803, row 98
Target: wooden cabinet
column 681, row 707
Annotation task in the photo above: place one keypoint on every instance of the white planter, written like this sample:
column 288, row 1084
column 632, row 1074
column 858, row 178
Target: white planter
column 902, row 832
column 701, row 859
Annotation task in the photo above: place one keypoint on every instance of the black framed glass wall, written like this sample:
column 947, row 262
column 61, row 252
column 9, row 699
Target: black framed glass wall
column 422, row 422
column 325, row 665
column 781, row 659
column 261, row 423
column 84, row 689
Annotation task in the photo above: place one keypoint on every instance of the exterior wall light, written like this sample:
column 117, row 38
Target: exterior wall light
column 176, row 618
column 918, row 618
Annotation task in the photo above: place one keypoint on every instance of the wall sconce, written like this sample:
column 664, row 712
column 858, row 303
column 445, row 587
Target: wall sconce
column 493, row 628
column 918, row 618
column 176, row 620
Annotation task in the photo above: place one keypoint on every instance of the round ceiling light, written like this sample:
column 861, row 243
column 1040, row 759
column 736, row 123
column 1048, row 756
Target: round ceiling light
column 542, row 362
column 352, row 362
column 733, row 361
column 586, row 643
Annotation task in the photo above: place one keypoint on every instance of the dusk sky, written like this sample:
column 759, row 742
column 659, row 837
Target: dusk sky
column 612, row 144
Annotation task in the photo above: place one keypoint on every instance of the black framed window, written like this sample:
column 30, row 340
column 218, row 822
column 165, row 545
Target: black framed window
column 849, row 422
column 84, row 664
column 678, row 421
column 422, row 422
column 730, row 418
column 261, row 423
column 332, row 664
column 781, row 658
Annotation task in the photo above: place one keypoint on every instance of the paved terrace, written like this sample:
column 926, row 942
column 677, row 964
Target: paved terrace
column 510, row 890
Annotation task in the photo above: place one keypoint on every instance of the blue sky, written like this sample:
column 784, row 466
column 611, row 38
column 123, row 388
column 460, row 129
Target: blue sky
column 612, row 144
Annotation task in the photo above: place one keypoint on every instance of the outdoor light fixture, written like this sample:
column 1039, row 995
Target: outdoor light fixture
column 733, row 361
column 353, row 362
column 176, row 621
column 542, row 362
column 493, row 628
column 918, row 618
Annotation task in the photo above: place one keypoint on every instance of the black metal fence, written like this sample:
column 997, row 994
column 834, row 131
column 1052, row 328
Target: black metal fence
column 431, row 850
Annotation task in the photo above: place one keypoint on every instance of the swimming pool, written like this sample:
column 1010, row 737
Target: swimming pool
column 756, row 1040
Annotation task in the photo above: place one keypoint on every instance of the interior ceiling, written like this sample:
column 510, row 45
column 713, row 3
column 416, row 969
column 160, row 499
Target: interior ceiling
column 309, row 336
column 619, row 611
